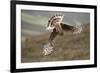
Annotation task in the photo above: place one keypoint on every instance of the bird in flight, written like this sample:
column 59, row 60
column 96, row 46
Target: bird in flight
column 57, row 26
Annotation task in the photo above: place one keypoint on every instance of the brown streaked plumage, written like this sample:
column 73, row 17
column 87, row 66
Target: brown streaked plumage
column 58, row 27
column 55, row 23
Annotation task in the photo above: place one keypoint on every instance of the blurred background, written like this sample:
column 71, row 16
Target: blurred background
column 68, row 47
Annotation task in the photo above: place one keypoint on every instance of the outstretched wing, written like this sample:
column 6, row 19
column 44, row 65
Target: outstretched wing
column 75, row 29
column 67, row 27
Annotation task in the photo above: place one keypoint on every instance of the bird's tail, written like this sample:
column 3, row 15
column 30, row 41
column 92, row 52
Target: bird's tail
column 78, row 28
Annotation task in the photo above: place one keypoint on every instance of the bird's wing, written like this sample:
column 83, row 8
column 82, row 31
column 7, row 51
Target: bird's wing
column 53, row 35
column 67, row 27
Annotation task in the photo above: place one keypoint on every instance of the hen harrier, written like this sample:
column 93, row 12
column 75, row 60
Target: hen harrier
column 57, row 26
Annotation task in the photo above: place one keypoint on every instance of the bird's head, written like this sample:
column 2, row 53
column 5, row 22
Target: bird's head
column 55, row 19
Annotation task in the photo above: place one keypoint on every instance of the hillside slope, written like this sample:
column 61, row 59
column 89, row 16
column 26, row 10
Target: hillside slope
column 68, row 47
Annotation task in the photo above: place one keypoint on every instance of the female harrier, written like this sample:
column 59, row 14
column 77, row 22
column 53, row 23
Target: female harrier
column 57, row 26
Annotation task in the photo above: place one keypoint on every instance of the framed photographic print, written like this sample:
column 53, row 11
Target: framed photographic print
column 52, row 36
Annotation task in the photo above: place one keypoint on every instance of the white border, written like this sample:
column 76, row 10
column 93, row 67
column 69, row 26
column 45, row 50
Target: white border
column 20, row 65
